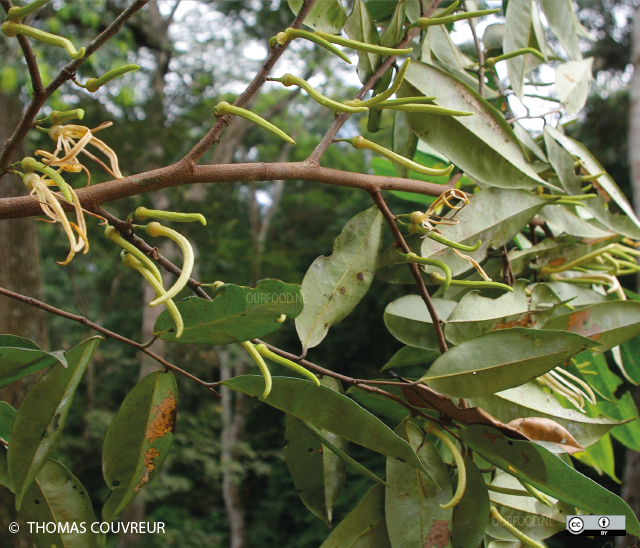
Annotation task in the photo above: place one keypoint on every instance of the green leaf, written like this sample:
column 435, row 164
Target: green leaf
column 325, row 439
column 484, row 146
column 530, row 400
column 236, row 313
column 622, row 409
column 492, row 39
column 363, row 522
column 528, row 142
column 630, row 355
column 403, row 142
column 327, row 16
column 359, row 26
column 522, row 512
column 318, row 474
column 392, row 267
column 543, row 470
column 579, row 296
column 412, row 502
column 517, row 33
column 572, row 84
column 329, row 410
column 42, row 416
column 20, row 357
column 138, row 439
column 446, row 51
column 409, row 321
column 600, row 377
column 472, row 512
column 378, row 404
column 600, row 457
column 7, row 418
column 510, row 210
column 627, row 224
column 334, row 285
column 395, row 29
column 561, row 20
column 561, row 221
column 409, row 355
column 503, row 359
column 56, row 496
column 610, row 323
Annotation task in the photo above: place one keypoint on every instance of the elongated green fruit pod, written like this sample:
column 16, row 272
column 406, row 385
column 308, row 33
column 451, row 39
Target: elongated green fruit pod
column 416, row 259
column 361, row 142
column 249, row 347
column 223, row 108
column 130, row 261
column 513, row 530
column 10, row 29
column 407, row 101
column 385, row 94
column 17, row 14
column 593, row 177
column 31, row 164
column 507, row 491
column 423, row 22
column 537, row 494
column 361, row 46
column 290, row 34
column 266, row 353
column 449, row 10
column 156, row 229
column 112, row 234
column 56, row 117
column 291, row 80
column 473, row 284
column 93, row 84
column 426, row 109
column 417, row 229
column 462, row 471
column 143, row 214
column 489, row 63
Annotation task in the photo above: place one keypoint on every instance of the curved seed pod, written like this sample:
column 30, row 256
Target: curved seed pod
column 31, row 164
column 130, row 261
column 453, row 7
column 283, row 37
column 223, row 108
column 17, row 14
column 423, row 22
column 266, row 353
column 435, row 278
column 462, row 471
column 536, row 494
column 416, row 259
column 361, row 142
column 407, row 100
column 515, row 532
column 426, row 109
column 506, row 490
column 112, row 234
column 56, row 117
column 143, row 214
column 93, row 84
column 156, row 229
column 417, row 229
column 361, row 46
column 10, row 29
column 385, row 94
column 489, row 63
column 291, row 80
column 249, row 347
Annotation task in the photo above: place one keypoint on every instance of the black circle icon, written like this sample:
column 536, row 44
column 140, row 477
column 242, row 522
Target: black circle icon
column 604, row 522
column 576, row 525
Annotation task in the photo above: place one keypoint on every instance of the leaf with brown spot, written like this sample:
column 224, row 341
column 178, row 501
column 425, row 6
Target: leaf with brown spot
column 547, row 430
column 438, row 536
column 165, row 420
column 610, row 323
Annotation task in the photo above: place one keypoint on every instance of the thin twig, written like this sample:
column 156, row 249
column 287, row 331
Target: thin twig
column 84, row 321
column 480, row 54
column 415, row 269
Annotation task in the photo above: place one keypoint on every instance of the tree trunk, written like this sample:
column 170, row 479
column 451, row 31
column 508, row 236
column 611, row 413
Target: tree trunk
column 631, row 479
column 19, row 272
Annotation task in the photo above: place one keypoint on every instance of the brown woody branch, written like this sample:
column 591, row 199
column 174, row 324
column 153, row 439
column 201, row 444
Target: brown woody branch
column 184, row 173
column 67, row 73
column 81, row 319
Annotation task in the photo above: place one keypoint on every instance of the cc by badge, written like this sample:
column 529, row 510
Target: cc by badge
column 576, row 525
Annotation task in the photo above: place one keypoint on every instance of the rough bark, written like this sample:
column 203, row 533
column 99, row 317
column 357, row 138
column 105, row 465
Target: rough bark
column 20, row 272
column 631, row 479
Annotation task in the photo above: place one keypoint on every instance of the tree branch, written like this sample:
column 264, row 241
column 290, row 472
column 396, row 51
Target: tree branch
column 81, row 319
column 184, row 173
column 211, row 138
column 68, row 72
column 415, row 269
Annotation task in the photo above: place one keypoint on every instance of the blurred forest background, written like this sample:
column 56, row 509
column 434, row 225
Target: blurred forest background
column 225, row 482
